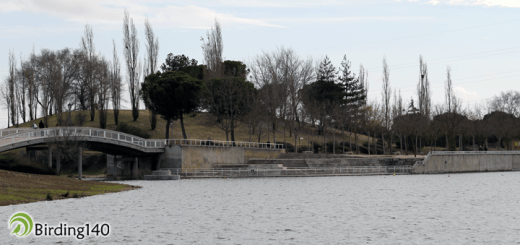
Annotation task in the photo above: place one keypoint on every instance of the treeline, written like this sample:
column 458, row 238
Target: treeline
column 274, row 92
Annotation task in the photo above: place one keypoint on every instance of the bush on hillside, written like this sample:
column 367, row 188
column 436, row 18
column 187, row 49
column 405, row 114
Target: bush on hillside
column 125, row 128
column 10, row 163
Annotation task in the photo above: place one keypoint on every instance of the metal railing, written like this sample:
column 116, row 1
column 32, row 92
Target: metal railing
column 474, row 152
column 7, row 132
column 266, row 172
column 19, row 135
column 198, row 142
column 81, row 132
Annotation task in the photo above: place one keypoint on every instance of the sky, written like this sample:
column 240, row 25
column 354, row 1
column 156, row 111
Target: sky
column 478, row 39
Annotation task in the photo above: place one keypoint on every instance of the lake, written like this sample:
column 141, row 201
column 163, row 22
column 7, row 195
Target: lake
column 474, row 208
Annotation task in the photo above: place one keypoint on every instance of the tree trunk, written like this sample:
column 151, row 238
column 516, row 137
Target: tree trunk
column 274, row 133
column 447, row 143
column 416, row 150
column 334, row 141
column 383, row 141
column 324, row 139
column 368, row 143
column 356, row 143
column 401, row 144
column 153, row 119
column 374, row 142
column 391, row 142
column 116, row 116
column 167, row 135
column 350, row 142
column 182, row 127
column 295, row 143
column 406, row 145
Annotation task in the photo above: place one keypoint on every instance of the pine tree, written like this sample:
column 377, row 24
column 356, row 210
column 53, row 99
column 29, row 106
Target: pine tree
column 326, row 71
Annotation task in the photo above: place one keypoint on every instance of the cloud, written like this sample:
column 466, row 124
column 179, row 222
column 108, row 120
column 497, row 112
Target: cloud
column 353, row 19
column 466, row 95
column 110, row 12
column 490, row 3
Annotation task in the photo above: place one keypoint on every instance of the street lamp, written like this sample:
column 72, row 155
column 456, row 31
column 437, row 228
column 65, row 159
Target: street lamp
column 70, row 106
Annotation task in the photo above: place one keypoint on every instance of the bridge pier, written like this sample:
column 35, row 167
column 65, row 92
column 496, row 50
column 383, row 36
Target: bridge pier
column 80, row 163
column 135, row 172
column 50, row 156
column 58, row 164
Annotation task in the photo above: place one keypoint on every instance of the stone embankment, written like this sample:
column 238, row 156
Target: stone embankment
column 161, row 175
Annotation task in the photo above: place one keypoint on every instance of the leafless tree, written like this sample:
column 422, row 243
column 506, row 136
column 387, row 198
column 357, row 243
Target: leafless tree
column 152, row 53
column 47, row 73
column 115, row 84
column 11, row 81
column 212, row 51
column 89, row 69
column 131, row 51
column 103, row 77
column 386, row 96
column 22, row 85
column 68, row 65
column 508, row 102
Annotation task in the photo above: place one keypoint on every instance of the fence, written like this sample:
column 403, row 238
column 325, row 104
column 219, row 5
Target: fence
column 196, row 142
column 7, row 132
column 80, row 133
column 19, row 135
column 252, row 172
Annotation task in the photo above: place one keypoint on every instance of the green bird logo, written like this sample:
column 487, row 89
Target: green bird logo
column 22, row 219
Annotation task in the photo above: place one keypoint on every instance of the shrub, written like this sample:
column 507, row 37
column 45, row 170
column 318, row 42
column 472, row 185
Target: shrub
column 49, row 197
column 125, row 128
column 11, row 162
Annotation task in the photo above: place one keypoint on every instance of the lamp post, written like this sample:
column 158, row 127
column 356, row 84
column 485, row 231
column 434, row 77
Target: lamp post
column 70, row 121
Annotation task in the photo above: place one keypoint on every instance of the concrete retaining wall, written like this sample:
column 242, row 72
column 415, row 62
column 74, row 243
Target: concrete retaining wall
column 193, row 157
column 455, row 162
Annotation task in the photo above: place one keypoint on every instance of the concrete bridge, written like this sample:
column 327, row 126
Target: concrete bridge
column 136, row 149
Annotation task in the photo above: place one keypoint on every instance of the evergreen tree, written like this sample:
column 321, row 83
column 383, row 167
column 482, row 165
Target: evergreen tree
column 326, row 71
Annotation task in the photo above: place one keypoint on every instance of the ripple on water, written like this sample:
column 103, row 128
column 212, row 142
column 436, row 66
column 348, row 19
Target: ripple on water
column 478, row 208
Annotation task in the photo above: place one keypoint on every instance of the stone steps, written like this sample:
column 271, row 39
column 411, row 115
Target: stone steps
column 162, row 175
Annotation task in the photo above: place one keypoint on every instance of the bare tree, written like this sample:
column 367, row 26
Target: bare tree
column 47, row 73
column 212, row 50
column 152, row 53
column 508, row 102
column 11, row 82
column 115, row 84
column 68, row 69
column 386, row 96
column 89, row 69
column 103, row 76
column 131, row 51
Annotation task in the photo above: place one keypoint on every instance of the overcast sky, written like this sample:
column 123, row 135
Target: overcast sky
column 479, row 39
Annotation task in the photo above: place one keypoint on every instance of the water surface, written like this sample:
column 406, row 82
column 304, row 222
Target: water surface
column 480, row 208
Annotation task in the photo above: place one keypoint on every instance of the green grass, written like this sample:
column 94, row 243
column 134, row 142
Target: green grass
column 16, row 188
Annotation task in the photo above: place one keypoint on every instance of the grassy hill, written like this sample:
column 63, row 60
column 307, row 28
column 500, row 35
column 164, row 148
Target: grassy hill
column 197, row 127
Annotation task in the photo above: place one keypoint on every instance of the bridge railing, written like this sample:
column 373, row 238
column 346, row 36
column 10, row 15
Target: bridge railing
column 198, row 142
column 7, row 132
column 78, row 132
column 326, row 171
